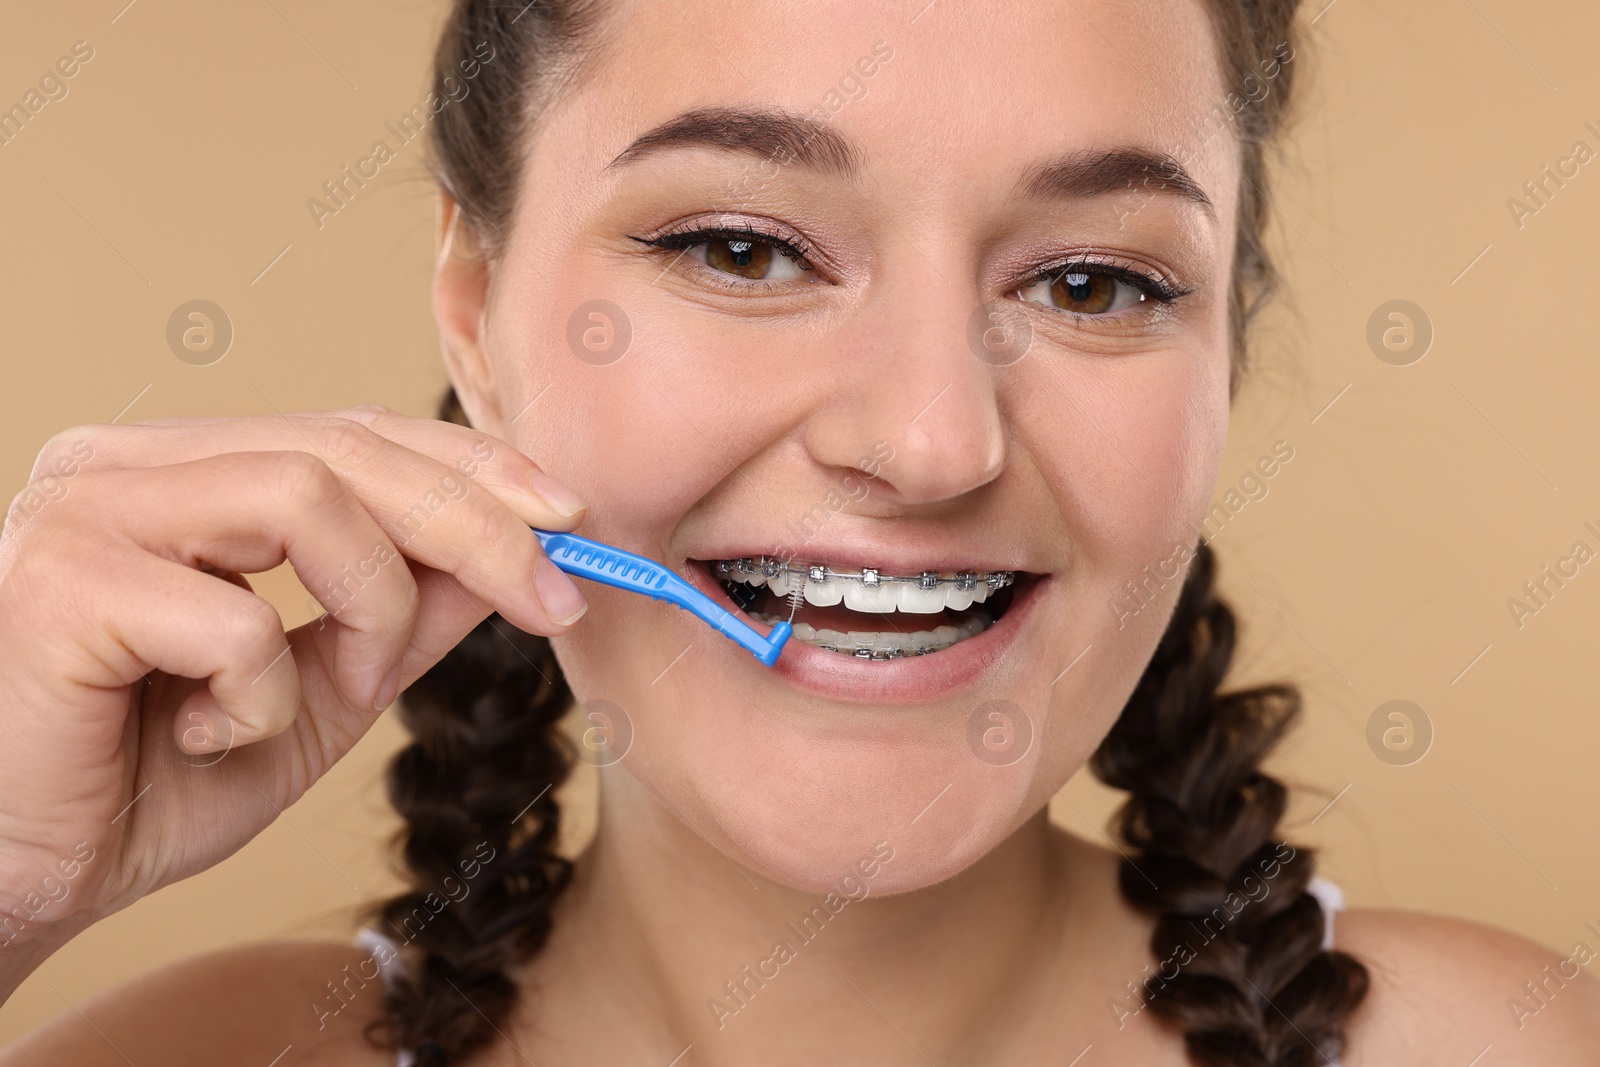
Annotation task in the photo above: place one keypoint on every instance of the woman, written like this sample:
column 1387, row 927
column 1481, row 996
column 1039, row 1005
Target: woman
column 925, row 289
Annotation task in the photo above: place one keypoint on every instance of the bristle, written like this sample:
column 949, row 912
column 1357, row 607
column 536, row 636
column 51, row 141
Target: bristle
column 795, row 596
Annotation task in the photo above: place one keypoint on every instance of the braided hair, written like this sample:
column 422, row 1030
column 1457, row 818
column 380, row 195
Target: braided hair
column 1254, row 987
column 477, row 785
column 476, row 788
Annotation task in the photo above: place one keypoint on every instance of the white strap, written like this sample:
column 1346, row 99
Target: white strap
column 1332, row 899
column 386, row 954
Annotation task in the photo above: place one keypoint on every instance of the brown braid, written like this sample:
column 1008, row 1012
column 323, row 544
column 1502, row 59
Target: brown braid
column 1253, row 986
column 477, row 789
column 1201, row 815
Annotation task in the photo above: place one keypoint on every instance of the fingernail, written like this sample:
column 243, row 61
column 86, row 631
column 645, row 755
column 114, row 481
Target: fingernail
column 558, row 496
column 559, row 595
column 388, row 690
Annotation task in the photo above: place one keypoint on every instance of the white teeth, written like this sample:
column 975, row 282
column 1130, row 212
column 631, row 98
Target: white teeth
column 826, row 593
column 867, row 591
column 881, row 645
column 885, row 596
column 911, row 597
column 862, row 597
column 871, row 593
column 782, row 584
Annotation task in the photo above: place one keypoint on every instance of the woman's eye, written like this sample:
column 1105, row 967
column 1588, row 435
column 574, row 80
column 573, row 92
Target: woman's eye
column 748, row 258
column 1086, row 292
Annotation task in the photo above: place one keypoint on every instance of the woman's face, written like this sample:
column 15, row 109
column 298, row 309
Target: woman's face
column 936, row 326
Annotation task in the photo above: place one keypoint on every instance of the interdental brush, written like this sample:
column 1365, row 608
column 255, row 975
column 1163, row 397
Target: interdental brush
column 795, row 596
column 614, row 567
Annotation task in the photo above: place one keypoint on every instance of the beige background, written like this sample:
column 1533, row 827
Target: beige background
column 1378, row 566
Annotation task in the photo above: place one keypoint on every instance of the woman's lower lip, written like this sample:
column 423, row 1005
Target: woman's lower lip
column 909, row 679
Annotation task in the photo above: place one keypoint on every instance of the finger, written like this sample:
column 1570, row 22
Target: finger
column 489, row 461
column 123, row 612
column 427, row 508
column 538, row 498
column 231, row 577
column 248, row 512
column 447, row 613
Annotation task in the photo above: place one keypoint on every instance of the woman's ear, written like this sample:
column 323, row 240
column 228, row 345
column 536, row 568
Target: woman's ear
column 461, row 277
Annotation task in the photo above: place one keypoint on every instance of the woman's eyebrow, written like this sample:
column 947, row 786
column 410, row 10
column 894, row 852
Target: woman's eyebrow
column 773, row 134
column 788, row 138
column 1087, row 173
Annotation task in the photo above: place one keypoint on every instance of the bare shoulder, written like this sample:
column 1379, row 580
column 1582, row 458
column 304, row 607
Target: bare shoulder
column 1450, row 991
column 240, row 1005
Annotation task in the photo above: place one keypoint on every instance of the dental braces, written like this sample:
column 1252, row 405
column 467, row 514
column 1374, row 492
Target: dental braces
column 873, row 653
column 860, row 653
column 869, row 576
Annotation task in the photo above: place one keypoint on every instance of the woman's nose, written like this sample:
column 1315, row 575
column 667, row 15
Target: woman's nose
column 904, row 373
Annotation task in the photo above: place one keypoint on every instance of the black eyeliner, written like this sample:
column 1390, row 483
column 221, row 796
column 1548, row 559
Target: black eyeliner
column 1151, row 285
column 682, row 239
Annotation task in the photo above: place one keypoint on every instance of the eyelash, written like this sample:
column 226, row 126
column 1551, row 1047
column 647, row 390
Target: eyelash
column 681, row 240
column 1152, row 285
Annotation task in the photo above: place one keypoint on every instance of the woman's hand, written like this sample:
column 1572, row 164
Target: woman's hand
column 154, row 715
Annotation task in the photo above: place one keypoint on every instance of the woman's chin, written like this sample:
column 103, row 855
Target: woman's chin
column 895, row 824
column 822, row 858
column 806, row 791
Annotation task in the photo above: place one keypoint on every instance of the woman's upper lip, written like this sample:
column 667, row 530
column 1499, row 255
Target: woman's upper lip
column 903, row 556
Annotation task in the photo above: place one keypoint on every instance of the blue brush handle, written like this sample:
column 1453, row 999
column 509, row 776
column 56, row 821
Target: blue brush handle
column 624, row 570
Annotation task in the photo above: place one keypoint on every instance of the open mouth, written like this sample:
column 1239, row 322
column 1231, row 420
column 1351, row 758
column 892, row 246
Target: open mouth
column 864, row 613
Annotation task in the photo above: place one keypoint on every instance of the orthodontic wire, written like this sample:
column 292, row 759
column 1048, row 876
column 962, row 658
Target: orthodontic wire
column 798, row 592
column 995, row 580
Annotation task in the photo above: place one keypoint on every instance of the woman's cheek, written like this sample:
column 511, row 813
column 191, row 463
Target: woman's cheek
column 1174, row 429
column 626, row 435
column 1132, row 458
column 1129, row 446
